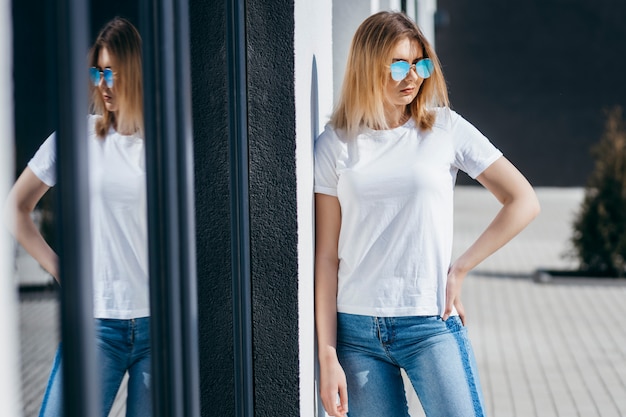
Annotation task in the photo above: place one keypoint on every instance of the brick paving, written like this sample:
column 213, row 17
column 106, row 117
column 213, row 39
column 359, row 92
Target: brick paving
column 39, row 330
column 543, row 349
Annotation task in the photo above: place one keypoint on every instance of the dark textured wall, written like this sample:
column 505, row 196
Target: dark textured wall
column 212, row 179
column 270, row 33
column 272, row 206
column 535, row 77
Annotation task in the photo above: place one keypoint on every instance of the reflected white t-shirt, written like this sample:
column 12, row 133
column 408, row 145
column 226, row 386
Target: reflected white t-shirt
column 118, row 211
column 395, row 188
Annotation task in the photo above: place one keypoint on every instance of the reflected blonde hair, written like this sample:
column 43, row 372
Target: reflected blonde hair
column 362, row 100
column 122, row 41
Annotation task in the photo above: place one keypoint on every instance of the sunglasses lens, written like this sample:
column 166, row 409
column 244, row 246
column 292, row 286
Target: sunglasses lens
column 94, row 75
column 108, row 77
column 399, row 70
column 107, row 73
column 424, row 68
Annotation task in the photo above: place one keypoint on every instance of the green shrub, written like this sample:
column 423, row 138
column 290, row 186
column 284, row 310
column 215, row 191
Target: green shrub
column 599, row 238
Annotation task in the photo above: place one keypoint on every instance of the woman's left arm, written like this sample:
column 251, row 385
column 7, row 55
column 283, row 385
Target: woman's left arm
column 519, row 207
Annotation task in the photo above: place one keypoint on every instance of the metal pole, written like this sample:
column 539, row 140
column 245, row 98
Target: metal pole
column 81, row 385
column 240, row 212
column 187, row 211
column 9, row 357
column 171, row 220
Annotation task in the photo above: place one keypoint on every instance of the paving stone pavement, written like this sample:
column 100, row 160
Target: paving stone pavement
column 39, row 329
column 543, row 349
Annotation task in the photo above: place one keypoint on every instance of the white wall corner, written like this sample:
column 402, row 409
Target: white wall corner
column 314, row 99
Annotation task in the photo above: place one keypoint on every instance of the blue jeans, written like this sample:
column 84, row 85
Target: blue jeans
column 436, row 355
column 122, row 346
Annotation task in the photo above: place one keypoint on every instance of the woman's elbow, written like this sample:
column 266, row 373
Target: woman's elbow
column 533, row 207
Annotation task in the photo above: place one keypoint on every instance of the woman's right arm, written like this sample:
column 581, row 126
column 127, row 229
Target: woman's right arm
column 22, row 199
column 332, row 376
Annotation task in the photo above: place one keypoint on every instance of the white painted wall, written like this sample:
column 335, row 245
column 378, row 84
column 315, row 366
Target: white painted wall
column 424, row 15
column 314, row 99
column 10, row 396
column 347, row 16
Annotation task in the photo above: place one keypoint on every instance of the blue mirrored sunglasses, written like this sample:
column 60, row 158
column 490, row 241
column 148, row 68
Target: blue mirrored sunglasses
column 107, row 73
column 400, row 69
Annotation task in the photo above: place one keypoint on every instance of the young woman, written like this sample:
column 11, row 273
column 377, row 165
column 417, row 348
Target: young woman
column 387, row 294
column 118, row 219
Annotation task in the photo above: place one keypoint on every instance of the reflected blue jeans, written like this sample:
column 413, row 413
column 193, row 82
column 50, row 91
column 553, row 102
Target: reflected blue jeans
column 122, row 345
column 436, row 355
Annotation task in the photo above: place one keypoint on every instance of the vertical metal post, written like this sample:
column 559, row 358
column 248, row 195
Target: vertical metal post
column 81, row 392
column 240, row 212
column 171, row 222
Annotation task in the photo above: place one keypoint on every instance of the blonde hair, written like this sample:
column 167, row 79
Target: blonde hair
column 362, row 99
column 122, row 41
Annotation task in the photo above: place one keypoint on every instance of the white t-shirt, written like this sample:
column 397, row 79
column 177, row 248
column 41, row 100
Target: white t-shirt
column 395, row 188
column 119, row 233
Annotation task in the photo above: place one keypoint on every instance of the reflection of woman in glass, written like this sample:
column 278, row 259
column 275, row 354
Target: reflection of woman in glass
column 117, row 196
column 387, row 295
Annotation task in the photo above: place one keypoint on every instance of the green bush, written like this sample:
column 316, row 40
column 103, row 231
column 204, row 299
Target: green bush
column 599, row 238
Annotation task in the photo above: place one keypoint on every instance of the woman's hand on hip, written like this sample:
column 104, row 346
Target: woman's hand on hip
column 453, row 294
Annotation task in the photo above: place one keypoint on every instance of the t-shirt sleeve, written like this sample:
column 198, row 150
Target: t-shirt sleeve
column 43, row 164
column 473, row 151
column 327, row 149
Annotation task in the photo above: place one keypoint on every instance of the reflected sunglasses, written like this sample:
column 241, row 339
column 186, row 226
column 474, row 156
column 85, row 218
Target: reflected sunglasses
column 400, row 69
column 107, row 74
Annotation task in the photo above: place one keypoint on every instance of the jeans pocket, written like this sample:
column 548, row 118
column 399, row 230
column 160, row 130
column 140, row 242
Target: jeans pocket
column 454, row 324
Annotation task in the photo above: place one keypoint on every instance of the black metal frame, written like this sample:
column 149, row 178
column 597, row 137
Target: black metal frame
column 171, row 211
column 81, row 389
column 240, row 210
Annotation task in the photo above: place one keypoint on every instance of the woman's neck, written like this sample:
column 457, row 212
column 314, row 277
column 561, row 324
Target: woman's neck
column 397, row 116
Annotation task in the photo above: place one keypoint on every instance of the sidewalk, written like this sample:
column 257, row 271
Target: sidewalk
column 543, row 350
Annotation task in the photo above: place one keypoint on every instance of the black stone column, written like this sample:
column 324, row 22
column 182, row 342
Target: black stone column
column 273, row 208
column 272, row 205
